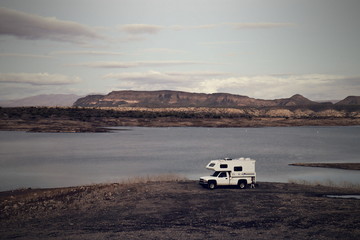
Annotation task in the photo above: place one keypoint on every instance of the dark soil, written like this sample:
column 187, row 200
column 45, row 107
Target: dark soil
column 179, row 210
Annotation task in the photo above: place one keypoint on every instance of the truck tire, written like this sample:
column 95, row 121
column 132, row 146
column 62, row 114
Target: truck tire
column 242, row 184
column 212, row 185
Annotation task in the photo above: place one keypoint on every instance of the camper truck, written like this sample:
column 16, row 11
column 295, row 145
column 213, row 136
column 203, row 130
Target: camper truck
column 230, row 172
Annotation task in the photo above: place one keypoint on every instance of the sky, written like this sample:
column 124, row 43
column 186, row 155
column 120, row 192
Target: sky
column 263, row 49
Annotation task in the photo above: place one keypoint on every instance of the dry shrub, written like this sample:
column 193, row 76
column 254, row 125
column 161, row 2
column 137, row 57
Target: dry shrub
column 327, row 183
column 154, row 178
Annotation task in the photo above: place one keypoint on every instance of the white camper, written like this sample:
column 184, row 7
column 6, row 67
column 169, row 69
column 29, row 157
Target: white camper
column 238, row 172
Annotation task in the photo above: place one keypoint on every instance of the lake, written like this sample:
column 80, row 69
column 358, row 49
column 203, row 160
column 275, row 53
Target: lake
column 68, row 159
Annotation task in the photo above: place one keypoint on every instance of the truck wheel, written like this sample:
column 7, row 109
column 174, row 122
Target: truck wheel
column 242, row 185
column 212, row 185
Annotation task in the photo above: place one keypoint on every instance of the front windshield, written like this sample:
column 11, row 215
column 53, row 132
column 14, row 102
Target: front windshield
column 215, row 174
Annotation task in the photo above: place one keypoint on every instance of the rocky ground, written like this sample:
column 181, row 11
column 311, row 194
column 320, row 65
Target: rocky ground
column 179, row 210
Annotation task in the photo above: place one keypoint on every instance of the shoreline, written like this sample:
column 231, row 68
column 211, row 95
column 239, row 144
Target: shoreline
column 344, row 166
column 180, row 209
column 58, row 125
column 72, row 119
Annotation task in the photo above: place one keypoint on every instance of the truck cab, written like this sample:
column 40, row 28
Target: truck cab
column 230, row 172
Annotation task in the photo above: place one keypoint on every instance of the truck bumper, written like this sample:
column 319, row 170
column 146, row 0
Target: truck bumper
column 203, row 183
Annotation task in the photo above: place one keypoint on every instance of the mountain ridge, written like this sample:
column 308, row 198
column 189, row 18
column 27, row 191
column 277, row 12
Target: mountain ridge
column 350, row 100
column 169, row 98
column 51, row 100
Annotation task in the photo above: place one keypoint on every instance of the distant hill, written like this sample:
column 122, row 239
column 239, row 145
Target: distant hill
column 166, row 98
column 48, row 100
column 350, row 100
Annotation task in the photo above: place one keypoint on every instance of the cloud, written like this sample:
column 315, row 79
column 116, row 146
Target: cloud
column 141, row 28
column 240, row 25
column 23, row 55
column 28, row 26
column 38, row 79
column 313, row 86
column 154, row 80
column 150, row 76
column 181, row 27
column 220, row 42
column 162, row 50
column 138, row 29
column 87, row 53
column 138, row 64
column 155, row 76
column 259, row 25
column 199, row 74
column 108, row 64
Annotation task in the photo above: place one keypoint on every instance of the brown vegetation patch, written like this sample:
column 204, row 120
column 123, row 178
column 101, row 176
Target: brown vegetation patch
column 44, row 119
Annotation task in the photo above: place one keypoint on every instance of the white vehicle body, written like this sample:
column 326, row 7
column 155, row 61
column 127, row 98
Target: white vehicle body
column 237, row 172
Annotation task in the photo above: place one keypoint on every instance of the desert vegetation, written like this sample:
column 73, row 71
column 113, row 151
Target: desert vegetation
column 85, row 114
column 80, row 119
column 328, row 183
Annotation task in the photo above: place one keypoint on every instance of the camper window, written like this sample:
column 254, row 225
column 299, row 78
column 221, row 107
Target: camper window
column 223, row 165
column 237, row 169
column 211, row 164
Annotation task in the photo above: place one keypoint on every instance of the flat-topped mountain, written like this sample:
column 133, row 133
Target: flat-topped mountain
column 178, row 109
column 166, row 98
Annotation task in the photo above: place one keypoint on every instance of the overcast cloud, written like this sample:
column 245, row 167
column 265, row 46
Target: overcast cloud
column 86, row 53
column 153, row 29
column 138, row 64
column 29, row 26
column 263, row 48
column 38, row 78
column 141, row 28
column 261, row 86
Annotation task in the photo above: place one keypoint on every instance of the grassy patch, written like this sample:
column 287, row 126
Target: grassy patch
column 327, row 183
column 154, row 178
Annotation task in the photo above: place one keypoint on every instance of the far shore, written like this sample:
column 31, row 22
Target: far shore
column 46, row 119
column 347, row 166
column 100, row 125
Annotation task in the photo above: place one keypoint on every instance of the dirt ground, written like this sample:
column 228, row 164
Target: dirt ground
column 179, row 210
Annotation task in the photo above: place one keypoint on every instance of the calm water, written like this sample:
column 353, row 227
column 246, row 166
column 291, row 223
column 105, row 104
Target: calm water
column 67, row 159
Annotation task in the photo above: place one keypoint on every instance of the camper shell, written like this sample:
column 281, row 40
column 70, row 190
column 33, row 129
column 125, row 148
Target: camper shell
column 237, row 172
